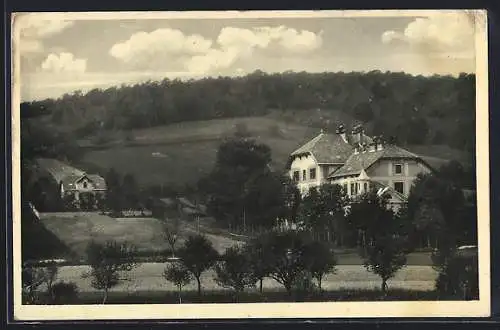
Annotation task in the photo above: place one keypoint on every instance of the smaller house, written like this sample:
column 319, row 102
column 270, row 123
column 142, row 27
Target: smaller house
column 76, row 187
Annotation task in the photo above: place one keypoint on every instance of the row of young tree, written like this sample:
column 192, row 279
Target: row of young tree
column 398, row 104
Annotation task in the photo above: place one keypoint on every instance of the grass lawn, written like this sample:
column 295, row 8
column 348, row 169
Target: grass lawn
column 75, row 230
column 147, row 277
column 253, row 296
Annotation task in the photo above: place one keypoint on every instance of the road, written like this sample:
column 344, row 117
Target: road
column 148, row 276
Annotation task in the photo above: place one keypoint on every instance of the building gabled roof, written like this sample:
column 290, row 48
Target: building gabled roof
column 69, row 182
column 378, row 185
column 363, row 160
column 58, row 169
column 326, row 148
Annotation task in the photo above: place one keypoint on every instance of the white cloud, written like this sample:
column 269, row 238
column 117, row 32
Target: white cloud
column 64, row 63
column 443, row 32
column 34, row 27
column 42, row 26
column 200, row 55
column 157, row 43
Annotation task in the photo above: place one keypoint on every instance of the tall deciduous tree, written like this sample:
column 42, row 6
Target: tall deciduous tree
column 197, row 255
column 234, row 270
column 178, row 274
column 320, row 260
column 286, row 258
column 108, row 262
column 386, row 234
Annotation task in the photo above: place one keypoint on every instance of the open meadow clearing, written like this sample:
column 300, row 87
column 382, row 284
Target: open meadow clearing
column 77, row 229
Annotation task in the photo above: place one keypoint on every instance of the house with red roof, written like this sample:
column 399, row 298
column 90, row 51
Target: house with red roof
column 358, row 163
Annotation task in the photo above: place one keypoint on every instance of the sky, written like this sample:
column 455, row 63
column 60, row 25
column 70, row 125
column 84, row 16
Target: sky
column 60, row 54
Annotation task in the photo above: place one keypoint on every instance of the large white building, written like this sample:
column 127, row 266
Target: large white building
column 357, row 162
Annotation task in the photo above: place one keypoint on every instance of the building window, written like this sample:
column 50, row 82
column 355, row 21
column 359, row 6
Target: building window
column 85, row 185
column 365, row 186
column 399, row 187
column 353, row 188
column 398, row 169
column 345, row 188
column 312, row 173
column 296, row 176
column 304, row 177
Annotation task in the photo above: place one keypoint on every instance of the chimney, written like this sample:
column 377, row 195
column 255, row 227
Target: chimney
column 341, row 131
column 372, row 146
column 380, row 143
column 358, row 132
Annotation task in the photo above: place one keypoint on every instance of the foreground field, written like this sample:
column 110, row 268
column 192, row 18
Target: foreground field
column 148, row 277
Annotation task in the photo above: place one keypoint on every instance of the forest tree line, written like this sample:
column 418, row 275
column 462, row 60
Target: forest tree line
column 415, row 109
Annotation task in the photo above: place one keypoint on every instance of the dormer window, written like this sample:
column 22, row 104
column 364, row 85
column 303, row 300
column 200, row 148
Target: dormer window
column 85, row 185
column 398, row 169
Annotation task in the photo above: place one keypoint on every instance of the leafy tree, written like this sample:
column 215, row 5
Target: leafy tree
column 319, row 260
column 114, row 192
column 178, row 274
column 130, row 191
column 260, row 260
column 436, row 207
column 286, row 259
column 240, row 168
column 363, row 111
column 323, row 211
column 234, row 270
column 108, row 262
column 386, row 234
column 197, row 255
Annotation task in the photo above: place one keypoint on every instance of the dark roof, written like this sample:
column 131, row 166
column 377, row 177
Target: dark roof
column 363, row 160
column 326, row 148
column 58, row 169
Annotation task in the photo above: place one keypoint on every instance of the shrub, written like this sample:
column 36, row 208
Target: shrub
column 458, row 277
column 64, row 293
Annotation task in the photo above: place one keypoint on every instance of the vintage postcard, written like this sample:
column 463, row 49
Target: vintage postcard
column 260, row 164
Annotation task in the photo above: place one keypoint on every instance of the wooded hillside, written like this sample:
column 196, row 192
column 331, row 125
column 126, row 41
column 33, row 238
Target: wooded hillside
column 414, row 109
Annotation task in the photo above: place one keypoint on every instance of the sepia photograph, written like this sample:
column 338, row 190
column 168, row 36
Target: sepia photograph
column 190, row 165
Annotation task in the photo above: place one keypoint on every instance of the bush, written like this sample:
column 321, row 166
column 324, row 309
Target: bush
column 64, row 293
column 458, row 278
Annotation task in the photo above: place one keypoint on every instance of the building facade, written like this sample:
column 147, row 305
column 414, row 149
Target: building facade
column 358, row 163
